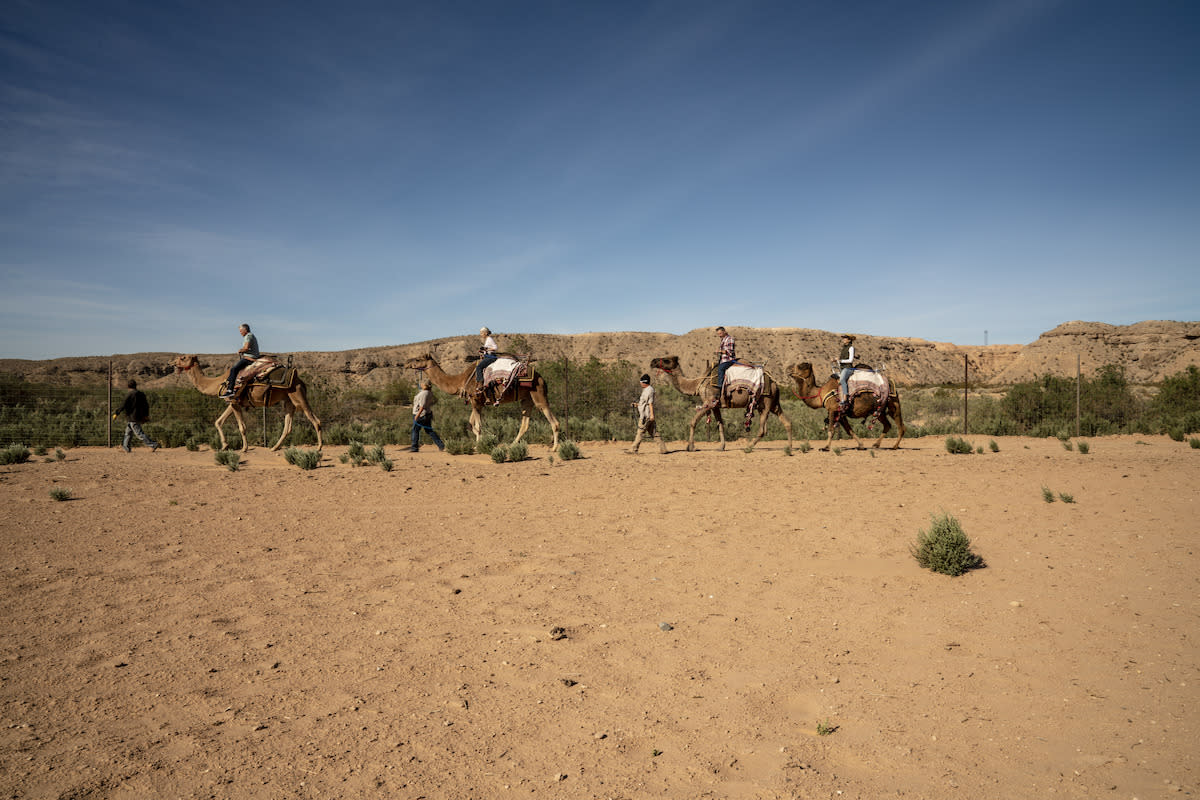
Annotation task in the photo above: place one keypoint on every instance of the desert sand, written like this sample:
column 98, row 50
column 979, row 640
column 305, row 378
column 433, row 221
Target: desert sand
column 618, row 626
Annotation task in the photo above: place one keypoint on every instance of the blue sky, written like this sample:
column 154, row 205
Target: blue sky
column 359, row 174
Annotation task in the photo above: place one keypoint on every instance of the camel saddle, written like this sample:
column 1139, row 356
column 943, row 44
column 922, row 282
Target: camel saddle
column 744, row 377
column 266, row 371
column 506, row 369
column 865, row 380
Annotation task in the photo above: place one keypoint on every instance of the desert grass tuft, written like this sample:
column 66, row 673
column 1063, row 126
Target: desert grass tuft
column 14, row 454
column 945, row 548
column 60, row 494
column 1047, row 495
column 230, row 459
column 957, row 446
column 568, row 451
column 302, row 457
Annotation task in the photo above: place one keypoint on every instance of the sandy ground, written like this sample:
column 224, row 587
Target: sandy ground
column 615, row 627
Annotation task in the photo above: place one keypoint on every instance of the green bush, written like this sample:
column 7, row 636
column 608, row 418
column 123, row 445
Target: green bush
column 460, row 446
column 60, row 494
column 229, row 458
column 958, row 446
column 376, row 455
column 518, row 451
column 568, row 451
column 945, row 548
column 499, row 454
column 995, row 448
column 1084, row 448
column 1195, row 443
column 487, row 443
column 302, row 457
column 14, row 454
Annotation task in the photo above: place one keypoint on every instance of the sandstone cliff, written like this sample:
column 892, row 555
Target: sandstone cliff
column 1149, row 352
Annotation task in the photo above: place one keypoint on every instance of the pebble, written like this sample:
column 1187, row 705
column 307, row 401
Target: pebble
column 665, row 626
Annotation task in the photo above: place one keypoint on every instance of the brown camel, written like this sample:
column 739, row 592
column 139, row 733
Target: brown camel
column 528, row 396
column 292, row 396
column 705, row 388
column 826, row 396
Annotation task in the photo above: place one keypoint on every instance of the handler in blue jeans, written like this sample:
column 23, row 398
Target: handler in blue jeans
column 423, row 418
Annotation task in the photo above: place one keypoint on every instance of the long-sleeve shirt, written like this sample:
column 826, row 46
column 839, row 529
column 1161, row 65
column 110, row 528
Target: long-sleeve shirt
column 727, row 348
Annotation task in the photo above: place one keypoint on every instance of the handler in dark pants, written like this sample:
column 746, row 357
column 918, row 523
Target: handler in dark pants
column 423, row 418
column 136, row 409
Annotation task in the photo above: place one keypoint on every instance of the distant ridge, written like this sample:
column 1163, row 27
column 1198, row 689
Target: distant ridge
column 1149, row 351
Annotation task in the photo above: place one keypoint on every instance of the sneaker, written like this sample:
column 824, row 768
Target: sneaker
column 153, row 447
column 414, row 449
column 125, row 447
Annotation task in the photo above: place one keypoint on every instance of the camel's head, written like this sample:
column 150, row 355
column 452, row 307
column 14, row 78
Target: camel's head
column 801, row 372
column 184, row 363
column 666, row 364
column 420, row 362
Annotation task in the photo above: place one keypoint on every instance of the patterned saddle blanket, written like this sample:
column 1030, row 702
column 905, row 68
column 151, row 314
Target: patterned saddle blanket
column 505, row 369
column 868, row 380
column 266, row 371
column 743, row 376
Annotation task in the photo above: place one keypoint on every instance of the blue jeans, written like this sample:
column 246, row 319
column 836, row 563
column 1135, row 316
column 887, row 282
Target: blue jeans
column 846, row 373
column 482, row 364
column 724, row 365
column 132, row 428
column 425, row 423
column 238, row 367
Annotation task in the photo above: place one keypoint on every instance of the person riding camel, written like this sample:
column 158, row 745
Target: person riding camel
column 487, row 356
column 246, row 356
column 726, row 358
column 845, row 364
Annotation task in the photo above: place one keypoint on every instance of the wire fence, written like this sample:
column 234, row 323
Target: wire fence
column 593, row 401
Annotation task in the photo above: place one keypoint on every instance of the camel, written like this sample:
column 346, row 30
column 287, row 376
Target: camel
column 464, row 382
column 826, row 396
column 705, row 388
column 293, row 396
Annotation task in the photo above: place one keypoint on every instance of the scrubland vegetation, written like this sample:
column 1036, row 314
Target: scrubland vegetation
column 593, row 402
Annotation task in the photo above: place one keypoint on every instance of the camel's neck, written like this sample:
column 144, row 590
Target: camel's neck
column 451, row 384
column 811, row 393
column 206, row 384
column 688, row 386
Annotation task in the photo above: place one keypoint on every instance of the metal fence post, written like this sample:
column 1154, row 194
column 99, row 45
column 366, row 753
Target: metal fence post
column 966, row 386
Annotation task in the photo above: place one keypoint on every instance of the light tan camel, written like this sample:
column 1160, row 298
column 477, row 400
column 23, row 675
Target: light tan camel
column 705, row 388
column 826, row 396
column 528, row 396
column 292, row 396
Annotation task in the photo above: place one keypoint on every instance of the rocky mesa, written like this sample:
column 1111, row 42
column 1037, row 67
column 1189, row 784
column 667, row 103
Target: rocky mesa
column 1149, row 352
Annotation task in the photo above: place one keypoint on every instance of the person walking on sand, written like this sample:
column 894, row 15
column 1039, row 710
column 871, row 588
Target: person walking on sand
column 136, row 409
column 647, row 428
column 423, row 418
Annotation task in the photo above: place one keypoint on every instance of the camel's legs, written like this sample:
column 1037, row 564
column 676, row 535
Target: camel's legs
column 544, row 406
column 787, row 423
column 525, row 408
column 476, row 422
column 302, row 403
